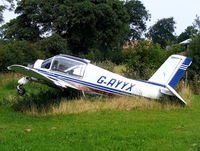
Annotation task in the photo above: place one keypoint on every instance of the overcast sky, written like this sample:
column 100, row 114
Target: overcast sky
column 183, row 11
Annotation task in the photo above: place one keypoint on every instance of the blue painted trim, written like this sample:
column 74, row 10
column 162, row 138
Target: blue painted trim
column 99, row 87
column 174, row 81
column 187, row 61
column 180, row 72
column 148, row 82
column 92, row 85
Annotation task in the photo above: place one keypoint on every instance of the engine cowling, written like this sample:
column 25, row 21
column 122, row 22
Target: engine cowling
column 38, row 63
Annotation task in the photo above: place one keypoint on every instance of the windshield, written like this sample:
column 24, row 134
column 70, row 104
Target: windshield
column 68, row 66
column 46, row 63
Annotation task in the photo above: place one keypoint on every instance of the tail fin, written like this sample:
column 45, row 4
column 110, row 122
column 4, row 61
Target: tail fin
column 171, row 71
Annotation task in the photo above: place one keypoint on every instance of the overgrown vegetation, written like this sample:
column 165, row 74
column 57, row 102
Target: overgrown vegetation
column 194, row 53
column 18, row 52
column 42, row 100
column 145, row 58
column 132, row 129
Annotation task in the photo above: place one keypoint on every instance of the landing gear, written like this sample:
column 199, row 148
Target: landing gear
column 21, row 82
column 21, row 90
column 83, row 93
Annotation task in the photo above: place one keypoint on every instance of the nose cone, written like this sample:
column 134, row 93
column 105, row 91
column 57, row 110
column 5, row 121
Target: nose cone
column 9, row 67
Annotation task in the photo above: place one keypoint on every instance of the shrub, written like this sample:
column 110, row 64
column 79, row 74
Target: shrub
column 194, row 74
column 108, row 65
column 143, row 59
column 53, row 45
column 175, row 49
column 194, row 53
column 93, row 55
column 18, row 52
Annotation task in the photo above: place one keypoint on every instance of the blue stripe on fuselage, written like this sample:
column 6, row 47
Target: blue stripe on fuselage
column 92, row 85
column 99, row 87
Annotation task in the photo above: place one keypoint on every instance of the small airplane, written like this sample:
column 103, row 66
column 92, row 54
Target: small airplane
column 67, row 71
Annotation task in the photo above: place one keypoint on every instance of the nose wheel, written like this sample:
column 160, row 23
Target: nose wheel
column 21, row 90
column 21, row 82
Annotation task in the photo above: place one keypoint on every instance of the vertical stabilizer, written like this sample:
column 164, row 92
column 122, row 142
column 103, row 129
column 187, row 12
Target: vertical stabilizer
column 171, row 71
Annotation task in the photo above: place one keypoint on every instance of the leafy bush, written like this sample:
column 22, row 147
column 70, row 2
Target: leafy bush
column 143, row 59
column 18, row 52
column 194, row 53
column 175, row 49
column 2, row 58
column 53, row 45
column 108, row 65
column 42, row 98
column 93, row 55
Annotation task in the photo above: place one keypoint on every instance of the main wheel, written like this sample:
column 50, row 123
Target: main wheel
column 21, row 91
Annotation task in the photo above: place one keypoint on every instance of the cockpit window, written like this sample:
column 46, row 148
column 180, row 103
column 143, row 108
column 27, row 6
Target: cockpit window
column 68, row 66
column 46, row 64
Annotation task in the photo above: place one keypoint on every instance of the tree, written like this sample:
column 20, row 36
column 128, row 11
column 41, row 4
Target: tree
column 99, row 25
column 18, row 52
column 196, row 23
column 86, row 24
column 189, row 32
column 53, row 45
column 7, row 4
column 21, row 28
column 138, row 17
column 162, row 31
column 194, row 53
column 2, row 8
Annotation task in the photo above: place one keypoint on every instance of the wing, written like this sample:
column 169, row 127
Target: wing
column 40, row 77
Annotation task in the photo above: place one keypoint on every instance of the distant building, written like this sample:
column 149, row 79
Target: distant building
column 186, row 43
column 133, row 43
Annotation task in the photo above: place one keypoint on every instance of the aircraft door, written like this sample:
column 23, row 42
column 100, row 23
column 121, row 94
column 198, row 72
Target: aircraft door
column 68, row 67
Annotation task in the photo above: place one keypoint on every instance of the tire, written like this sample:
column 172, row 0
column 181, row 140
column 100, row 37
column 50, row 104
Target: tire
column 21, row 91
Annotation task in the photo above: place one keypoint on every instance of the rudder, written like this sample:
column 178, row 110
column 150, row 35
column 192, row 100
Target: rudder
column 171, row 71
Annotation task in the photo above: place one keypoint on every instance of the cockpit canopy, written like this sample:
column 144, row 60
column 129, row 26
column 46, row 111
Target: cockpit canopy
column 66, row 65
column 46, row 63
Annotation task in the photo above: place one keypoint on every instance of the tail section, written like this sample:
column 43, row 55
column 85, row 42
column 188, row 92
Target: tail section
column 171, row 71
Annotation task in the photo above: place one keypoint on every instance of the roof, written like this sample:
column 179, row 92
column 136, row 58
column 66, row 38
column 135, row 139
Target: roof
column 187, row 41
column 74, row 58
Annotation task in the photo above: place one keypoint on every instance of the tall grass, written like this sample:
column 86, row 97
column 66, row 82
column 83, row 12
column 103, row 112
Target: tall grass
column 8, row 84
column 40, row 100
column 101, row 104
column 186, row 92
column 8, row 80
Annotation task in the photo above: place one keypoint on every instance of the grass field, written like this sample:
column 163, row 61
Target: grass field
column 152, row 128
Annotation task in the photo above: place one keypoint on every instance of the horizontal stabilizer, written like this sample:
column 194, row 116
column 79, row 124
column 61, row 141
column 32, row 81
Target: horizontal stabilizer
column 175, row 94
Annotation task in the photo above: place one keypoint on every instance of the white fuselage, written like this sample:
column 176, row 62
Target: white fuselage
column 99, row 80
column 119, row 85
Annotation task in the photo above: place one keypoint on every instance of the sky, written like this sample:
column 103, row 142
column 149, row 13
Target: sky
column 183, row 11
